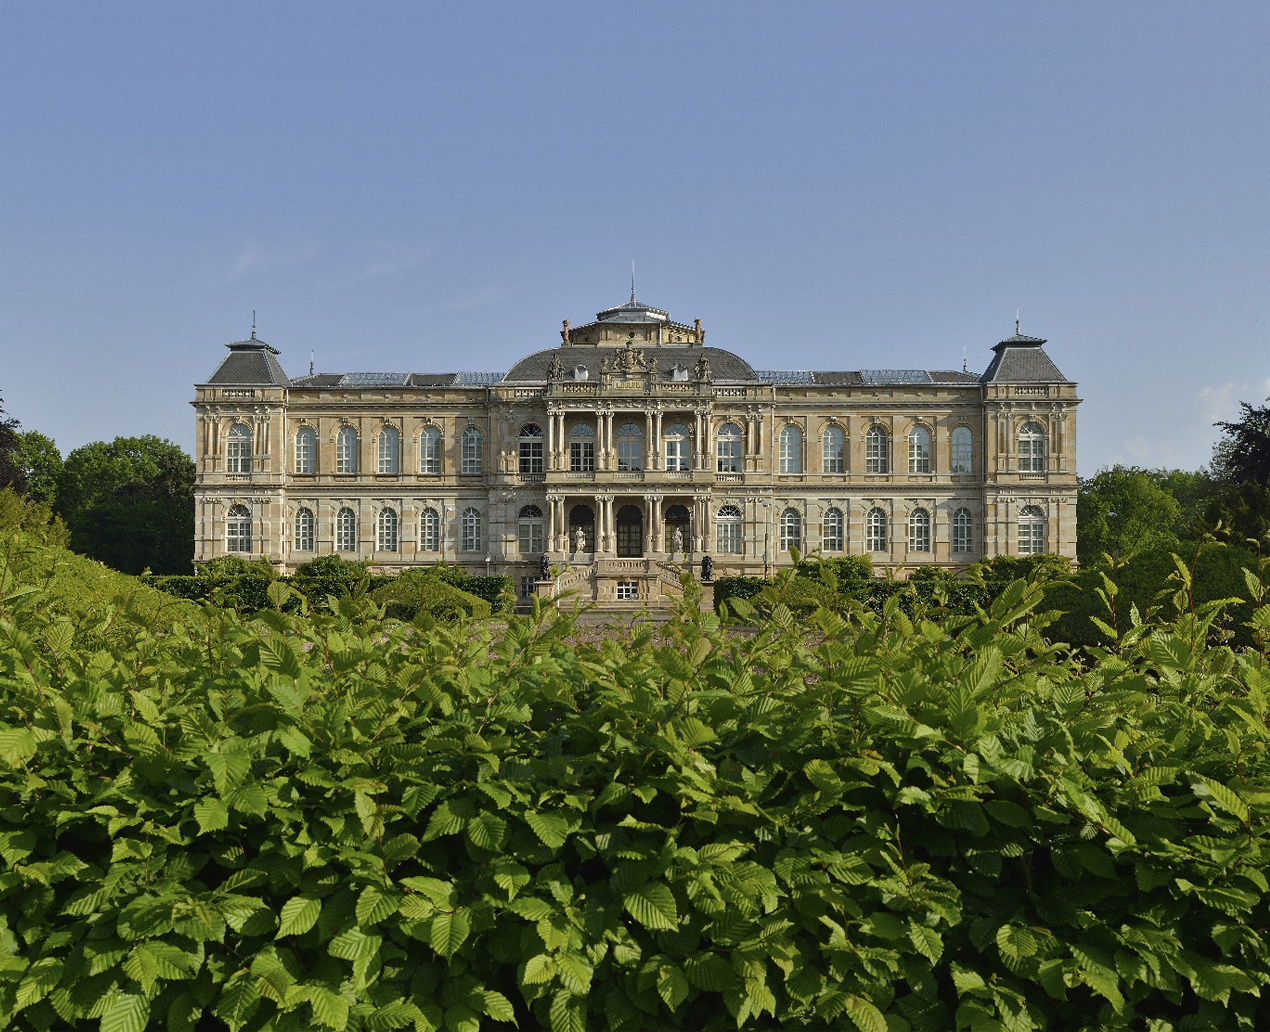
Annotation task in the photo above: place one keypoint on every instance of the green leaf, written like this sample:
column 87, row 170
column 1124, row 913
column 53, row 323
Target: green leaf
column 710, row 972
column 925, row 940
column 330, row 1009
column 487, row 831
column 867, row 1017
column 672, row 986
column 552, row 828
column 237, row 1002
column 449, row 931
column 1207, row 788
column 38, row 982
column 532, row 908
column 376, row 904
column 125, row 1013
column 497, row 1006
column 539, row 969
column 397, row 1014
column 211, row 814
column 1012, row 815
column 575, row 973
column 653, row 906
column 568, row 1013
column 17, row 745
column 1015, row 941
column 298, row 916
column 355, row 945
column 402, row 847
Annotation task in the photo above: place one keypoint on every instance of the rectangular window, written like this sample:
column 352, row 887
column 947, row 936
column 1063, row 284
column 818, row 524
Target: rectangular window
column 429, row 531
column 304, row 452
column 727, row 537
column 471, row 451
column 833, row 531
column 528, row 587
column 429, row 452
column 531, row 458
column 581, row 457
column 530, row 538
column 961, row 533
column 630, row 454
column 729, row 455
column 628, row 591
column 238, row 536
column 471, row 540
column 676, row 455
column 962, row 461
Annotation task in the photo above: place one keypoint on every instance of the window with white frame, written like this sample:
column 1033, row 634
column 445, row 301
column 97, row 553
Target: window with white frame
column 346, row 451
column 875, row 530
column 470, row 528
column 389, row 449
column 791, row 529
column 962, row 531
column 728, row 445
column 238, row 529
column 582, row 449
column 305, row 451
column 530, row 530
column 919, row 450
column 472, row 449
column 1031, row 531
column 304, row 523
column 387, row 530
column 430, row 451
column 628, row 591
column 962, row 450
column 834, row 527
column 1031, row 448
column 791, row 450
column 831, row 450
column 728, row 525
column 529, row 450
column 238, row 449
column 875, row 451
column 630, row 447
column 429, row 531
column 346, row 530
column 678, row 445
column 919, row 531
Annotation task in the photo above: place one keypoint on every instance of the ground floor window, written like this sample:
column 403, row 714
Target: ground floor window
column 529, row 531
column 962, row 535
column 238, row 529
column 628, row 591
column 345, row 531
column 791, row 530
column 833, row 536
column 304, row 530
column 1031, row 531
column 471, row 526
column 527, row 588
column 875, row 531
column 727, row 531
column 919, row 531
column 387, row 528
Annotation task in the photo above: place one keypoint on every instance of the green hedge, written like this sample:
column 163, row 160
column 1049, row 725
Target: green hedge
column 413, row 592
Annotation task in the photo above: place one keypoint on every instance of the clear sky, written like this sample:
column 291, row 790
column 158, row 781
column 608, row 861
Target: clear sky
column 402, row 186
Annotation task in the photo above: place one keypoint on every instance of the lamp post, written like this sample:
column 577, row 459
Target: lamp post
column 487, row 562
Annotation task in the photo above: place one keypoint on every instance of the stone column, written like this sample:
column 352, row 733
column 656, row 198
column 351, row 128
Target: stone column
column 648, row 525
column 655, row 448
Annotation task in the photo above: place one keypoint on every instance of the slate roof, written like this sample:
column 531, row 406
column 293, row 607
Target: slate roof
column 1021, row 359
column 725, row 367
column 250, row 362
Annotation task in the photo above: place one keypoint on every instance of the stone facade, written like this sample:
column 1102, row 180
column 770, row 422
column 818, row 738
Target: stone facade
column 631, row 445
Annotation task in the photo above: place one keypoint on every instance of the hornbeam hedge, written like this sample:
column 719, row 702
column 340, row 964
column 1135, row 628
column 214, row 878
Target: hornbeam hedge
column 868, row 821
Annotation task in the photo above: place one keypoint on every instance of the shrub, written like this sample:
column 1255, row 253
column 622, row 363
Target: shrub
column 497, row 590
column 30, row 519
column 736, row 587
column 844, row 567
column 415, row 591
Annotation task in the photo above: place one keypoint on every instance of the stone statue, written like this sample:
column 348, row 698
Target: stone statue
column 707, row 568
column 703, row 368
column 579, row 540
column 677, row 541
column 544, row 567
column 556, row 370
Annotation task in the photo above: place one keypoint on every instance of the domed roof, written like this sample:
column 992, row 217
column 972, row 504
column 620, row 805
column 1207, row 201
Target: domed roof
column 725, row 367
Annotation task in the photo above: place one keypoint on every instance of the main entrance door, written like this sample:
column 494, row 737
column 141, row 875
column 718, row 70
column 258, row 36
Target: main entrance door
column 630, row 532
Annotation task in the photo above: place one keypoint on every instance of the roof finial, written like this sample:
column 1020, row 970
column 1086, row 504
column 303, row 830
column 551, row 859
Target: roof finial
column 963, row 359
column 632, row 281
column 310, row 363
column 1016, row 322
column 253, row 324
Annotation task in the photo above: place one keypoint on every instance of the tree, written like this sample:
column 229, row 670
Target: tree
column 11, row 473
column 1120, row 511
column 41, row 463
column 1244, row 453
column 130, row 503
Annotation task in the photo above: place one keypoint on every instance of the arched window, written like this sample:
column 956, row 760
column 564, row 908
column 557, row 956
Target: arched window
column 728, row 525
column 791, row 450
column 875, row 531
column 305, row 451
column 678, row 442
column 470, row 526
column 430, row 450
column 919, row 450
column 581, row 518
column 630, row 447
column 530, row 450
column 346, row 531
column 346, row 451
column 387, row 527
column 791, row 530
column 962, row 450
column 1031, row 531
column 429, row 531
column 582, row 449
column 962, row 531
column 238, row 529
column 304, row 530
column 1031, row 448
column 875, row 449
column 729, row 448
column 388, row 450
column 919, row 531
column 472, row 449
column 831, row 450
column 833, row 532
column 238, row 449
column 530, row 530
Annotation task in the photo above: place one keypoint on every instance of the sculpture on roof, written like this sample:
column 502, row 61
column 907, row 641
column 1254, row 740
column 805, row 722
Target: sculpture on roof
column 632, row 360
column 703, row 368
column 556, row 370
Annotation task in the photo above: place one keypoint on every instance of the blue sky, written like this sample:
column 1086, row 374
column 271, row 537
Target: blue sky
column 435, row 187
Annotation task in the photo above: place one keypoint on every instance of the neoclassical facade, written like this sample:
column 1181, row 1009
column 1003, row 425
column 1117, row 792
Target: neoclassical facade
column 631, row 446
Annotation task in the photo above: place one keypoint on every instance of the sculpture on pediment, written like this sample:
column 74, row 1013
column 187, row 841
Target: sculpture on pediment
column 604, row 365
column 632, row 360
column 556, row 370
column 703, row 368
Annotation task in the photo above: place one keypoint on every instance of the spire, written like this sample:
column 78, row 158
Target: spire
column 632, row 281
column 1016, row 322
column 253, row 324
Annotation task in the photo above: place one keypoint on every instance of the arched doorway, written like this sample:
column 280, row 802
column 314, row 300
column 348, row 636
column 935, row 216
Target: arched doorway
column 581, row 518
column 630, row 532
column 677, row 518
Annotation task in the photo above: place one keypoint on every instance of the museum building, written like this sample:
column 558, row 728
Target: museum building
column 629, row 447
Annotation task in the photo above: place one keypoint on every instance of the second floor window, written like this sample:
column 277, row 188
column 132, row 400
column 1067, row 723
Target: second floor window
column 430, row 451
column 581, row 449
column 919, row 450
column 875, row 451
column 791, row 450
column 238, row 449
column 962, row 450
column 729, row 449
column 529, row 450
column 305, row 451
column 472, row 448
column 831, row 450
column 346, row 451
column 1031, row 448
column 630, row 447
column 388, row 450
column 678, row 444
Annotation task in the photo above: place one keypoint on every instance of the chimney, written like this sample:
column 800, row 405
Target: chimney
column 700, row 336
column 564, row 334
